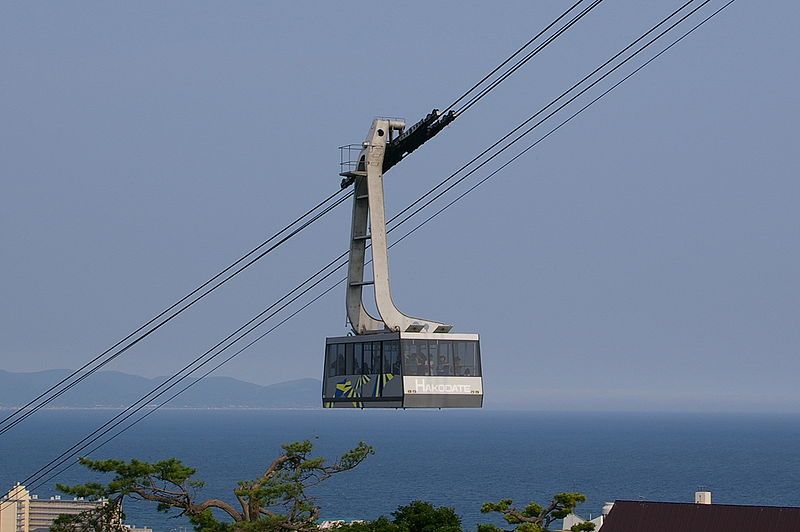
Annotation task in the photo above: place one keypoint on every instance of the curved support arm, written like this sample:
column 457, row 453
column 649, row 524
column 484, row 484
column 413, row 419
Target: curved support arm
column 369, row 215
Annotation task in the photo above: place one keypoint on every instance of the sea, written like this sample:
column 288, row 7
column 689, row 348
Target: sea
column 457, row 458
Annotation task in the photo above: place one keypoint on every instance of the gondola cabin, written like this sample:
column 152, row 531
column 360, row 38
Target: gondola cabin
column 392, row 360
column 403, row 370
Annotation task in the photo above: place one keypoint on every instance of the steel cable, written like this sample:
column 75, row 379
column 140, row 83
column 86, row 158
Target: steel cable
column 64, row 385
column 512, row 56
column 607, row 91
column 52, row 393
column 519, row 64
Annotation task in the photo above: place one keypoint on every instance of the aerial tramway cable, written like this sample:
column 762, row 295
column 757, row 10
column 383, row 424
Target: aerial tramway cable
column 562, row 123
column 539, row 112
column 29, row 409
column 536, row 114
column 98, row 362
column 509, row 58
column 519, row 64
column 37, row 476
column 311, row 221
column 407, row 235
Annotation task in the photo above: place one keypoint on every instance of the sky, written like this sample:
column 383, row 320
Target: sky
column 644, row 257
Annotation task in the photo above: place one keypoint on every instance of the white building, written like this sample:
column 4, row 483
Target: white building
column 22, row 512
column 328, row 525
column 574, row 519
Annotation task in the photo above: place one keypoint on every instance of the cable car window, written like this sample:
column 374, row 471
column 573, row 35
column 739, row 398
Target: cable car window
column 391, row 357
column 358, row 362
column 367, row 368
column 350, row 367
column 443, row 358
column 340, row 366
column 330, row 359
column 415, row 357
column 423, row 358
column 433, row 352
column 376, row 357
column 466, row 359
column 409, row 360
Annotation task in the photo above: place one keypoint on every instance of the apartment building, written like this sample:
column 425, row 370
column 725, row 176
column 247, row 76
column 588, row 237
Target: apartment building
column 22, row 512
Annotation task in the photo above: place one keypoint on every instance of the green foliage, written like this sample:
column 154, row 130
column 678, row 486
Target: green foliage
column 206, row 521
column 381, row 524
column 278, row 501
column 534, row 517
column 422, row 516
column 417, row 516
column 275, row 501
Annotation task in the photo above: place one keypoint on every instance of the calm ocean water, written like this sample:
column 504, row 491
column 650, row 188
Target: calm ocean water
column 457, row 458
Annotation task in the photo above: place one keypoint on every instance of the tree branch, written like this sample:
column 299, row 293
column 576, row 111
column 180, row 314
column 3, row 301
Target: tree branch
column 217, row 503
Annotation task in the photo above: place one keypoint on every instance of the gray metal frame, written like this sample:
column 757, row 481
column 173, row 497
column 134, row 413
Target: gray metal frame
column 369, row 223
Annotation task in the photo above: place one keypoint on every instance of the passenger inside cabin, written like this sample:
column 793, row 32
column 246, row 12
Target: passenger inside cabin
column 423, row 365
column 443, row 366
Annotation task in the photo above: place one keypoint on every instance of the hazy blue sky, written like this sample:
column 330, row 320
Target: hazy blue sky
column 645, row 256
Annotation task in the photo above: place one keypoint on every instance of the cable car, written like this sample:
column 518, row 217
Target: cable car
column 394, row 360
column 403, row 370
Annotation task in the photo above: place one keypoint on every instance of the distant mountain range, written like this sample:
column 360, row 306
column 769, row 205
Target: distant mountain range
column 114, row 389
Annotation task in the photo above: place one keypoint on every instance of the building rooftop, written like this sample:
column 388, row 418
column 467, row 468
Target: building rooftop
column 641, row 516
